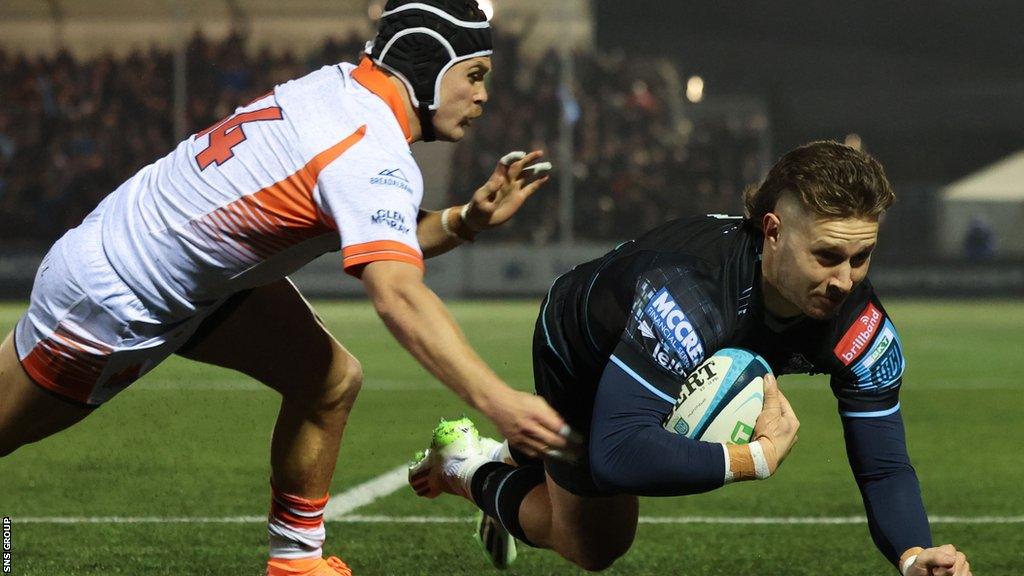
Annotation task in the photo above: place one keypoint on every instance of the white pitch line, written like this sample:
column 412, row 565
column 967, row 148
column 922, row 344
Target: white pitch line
column 139, row 520
column 819, row 520
column 382, row 519
column 340, row 505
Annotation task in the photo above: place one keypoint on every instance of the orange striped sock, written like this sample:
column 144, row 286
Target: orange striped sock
column 296, row 526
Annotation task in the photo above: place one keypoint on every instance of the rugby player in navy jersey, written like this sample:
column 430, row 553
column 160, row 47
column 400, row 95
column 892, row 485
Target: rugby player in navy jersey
column 616, row 337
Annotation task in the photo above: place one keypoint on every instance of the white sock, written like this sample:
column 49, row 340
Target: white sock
column 459, row 474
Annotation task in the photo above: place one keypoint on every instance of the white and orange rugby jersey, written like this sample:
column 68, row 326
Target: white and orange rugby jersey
column 321, row 163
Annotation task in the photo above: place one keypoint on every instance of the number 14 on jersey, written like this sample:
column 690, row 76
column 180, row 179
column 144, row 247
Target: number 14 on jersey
column 227, row 134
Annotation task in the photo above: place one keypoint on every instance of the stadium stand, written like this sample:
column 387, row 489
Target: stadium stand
column 72, row 129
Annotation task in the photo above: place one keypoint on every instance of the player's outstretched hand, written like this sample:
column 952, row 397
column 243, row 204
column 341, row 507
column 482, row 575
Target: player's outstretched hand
column 777, row 425
column 515, row 179
column 940, row 561
column 531, row 425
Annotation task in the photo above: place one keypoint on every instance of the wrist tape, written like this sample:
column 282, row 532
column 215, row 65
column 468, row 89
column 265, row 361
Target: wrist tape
column 745, row 462
column 446, row 223
column 907, row 561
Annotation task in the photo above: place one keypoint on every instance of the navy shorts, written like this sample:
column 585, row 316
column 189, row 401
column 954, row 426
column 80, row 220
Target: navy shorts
column 574, row 401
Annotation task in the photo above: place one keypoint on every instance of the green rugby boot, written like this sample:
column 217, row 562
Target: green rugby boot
column 450, row 461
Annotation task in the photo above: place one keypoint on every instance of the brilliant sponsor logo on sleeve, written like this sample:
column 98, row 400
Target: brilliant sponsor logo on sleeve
column 391, row 218
column 882, row 365
column 676, row 330
column 859, row 335
column 392, row 177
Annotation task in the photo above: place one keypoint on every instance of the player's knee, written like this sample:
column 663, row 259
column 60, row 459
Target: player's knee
column 8, row 447
column 612, row 551
column 595, row 564
column 599, row 550
column 334, row 388
column 345, row 384
column 8, row 441
column 352, row 379
column 600, row 560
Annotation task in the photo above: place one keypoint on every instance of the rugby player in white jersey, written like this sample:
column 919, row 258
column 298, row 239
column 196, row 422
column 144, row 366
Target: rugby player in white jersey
column 190, row 256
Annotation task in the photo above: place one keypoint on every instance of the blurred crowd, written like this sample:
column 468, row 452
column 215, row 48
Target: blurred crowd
column 641, row 153
column 72, row 130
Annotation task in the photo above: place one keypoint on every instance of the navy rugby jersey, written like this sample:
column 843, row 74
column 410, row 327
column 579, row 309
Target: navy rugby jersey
column 661, row 304
column 628, row 327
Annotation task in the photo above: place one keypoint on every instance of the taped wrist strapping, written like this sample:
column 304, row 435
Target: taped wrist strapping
column 462, row 214
column 907, row 561
column 446, row 223
column 745, row 462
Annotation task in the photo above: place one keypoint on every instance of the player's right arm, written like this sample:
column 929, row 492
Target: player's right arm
column 670, row 331
column 775, row 433
column 631, row 452
column 421, row 323
column 372, row 195
column 492, row 205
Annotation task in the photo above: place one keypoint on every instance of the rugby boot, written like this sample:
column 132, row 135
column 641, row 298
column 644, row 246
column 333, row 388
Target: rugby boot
column 332, row 566
column 497, row 543
column 496, row 451
column 450, row 461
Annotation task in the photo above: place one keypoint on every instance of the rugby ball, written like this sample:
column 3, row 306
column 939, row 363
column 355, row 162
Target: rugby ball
column 722, row 398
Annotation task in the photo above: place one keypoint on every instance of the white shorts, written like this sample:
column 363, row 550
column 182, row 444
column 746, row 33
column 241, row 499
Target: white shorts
column 86, row 336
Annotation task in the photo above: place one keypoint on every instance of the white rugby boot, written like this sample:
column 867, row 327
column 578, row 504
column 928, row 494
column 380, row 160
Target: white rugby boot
column 447, row 466
column 456, row 452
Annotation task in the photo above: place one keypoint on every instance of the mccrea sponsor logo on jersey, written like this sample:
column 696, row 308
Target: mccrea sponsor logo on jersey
column 882, row 365
column 393, row 177
column 859, row 335
column 677, row 333
column 390, row 218
column 665, row 358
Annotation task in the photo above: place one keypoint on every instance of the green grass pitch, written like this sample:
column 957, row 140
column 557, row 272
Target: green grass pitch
column 190, row 441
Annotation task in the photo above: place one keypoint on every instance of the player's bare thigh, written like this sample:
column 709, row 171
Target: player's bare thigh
column 27, row 413
column 591, row 531
column 275, row 337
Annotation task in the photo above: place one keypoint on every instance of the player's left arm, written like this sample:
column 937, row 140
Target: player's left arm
column 877, row 450
column 515, row 179
column 867, row 379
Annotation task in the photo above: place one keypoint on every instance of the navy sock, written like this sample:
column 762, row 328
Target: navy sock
column 499, row 489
